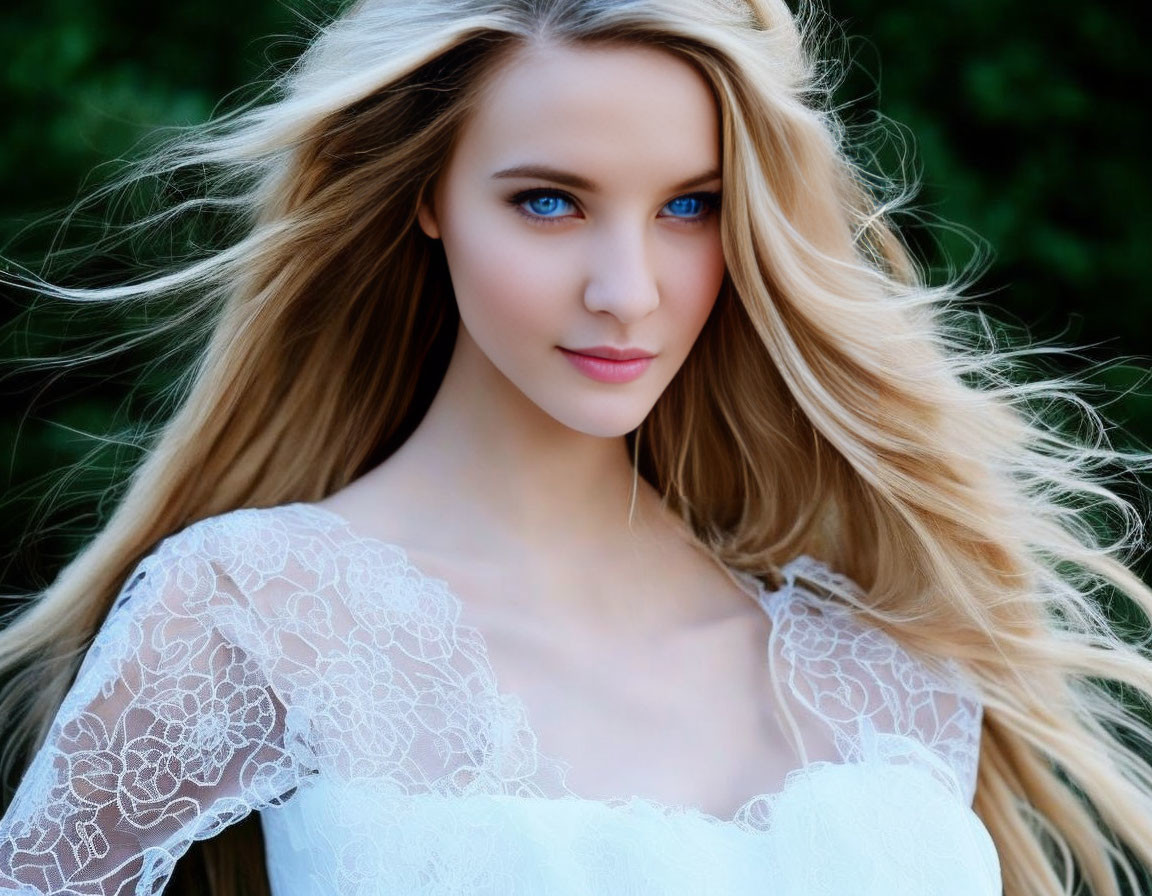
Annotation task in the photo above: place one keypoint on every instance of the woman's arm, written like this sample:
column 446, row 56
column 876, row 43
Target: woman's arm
column 170, row 733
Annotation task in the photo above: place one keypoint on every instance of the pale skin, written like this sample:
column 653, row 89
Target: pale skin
column 639, row 659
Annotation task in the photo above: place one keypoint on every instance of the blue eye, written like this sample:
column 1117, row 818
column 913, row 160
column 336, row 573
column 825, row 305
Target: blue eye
column 546, row 206
column 694, row 207
column 542, row 205
column 691, row 206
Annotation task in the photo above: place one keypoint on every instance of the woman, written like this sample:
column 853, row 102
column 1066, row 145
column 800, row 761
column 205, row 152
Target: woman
column 533, row 525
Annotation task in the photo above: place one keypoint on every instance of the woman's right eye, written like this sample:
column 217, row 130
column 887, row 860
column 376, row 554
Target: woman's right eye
column 543, row 205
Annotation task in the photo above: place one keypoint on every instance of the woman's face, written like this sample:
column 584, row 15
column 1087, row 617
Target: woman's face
column 580, row 213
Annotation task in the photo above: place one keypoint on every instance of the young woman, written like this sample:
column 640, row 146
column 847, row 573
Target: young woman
column 539, row 521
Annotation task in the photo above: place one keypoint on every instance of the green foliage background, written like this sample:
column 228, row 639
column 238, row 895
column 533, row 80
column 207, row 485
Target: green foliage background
column 1024, row 122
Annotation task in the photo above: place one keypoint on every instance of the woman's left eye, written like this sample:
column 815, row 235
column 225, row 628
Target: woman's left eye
column 545, row 206
column 692, row 205
column 695, row 206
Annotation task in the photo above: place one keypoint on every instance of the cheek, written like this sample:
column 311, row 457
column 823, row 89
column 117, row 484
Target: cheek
column 505, row 286
column 696, row 273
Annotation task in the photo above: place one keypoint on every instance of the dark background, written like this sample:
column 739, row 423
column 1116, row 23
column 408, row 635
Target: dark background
column 1024, row 122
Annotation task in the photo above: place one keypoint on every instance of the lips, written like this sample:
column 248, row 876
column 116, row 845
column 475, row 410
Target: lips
column 609, row 370
column 610, row 353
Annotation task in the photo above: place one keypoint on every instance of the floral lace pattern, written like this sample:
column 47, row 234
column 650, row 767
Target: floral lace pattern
column 271, row 660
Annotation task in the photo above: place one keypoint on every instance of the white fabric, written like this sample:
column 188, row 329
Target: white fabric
column 272, row 660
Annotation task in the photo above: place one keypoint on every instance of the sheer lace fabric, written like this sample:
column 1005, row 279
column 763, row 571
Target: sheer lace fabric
column 271, row 660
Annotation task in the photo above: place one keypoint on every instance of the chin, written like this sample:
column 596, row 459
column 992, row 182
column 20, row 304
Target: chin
column 604, row 431
column 602, row 422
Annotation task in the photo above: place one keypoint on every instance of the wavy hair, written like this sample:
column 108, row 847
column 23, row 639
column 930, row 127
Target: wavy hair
column 836, row 404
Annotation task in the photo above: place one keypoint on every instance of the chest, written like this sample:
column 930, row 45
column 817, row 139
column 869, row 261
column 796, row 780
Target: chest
column 684, row 720
column 427, row 688
column 413, row 684
column 682, row 713
column 450, row 738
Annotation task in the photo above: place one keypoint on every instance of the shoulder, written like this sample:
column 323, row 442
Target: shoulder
column 264, row 570
column 226, row 570
column 247, row 539
column 820, row 601
column 861, row 680
column 202, row 600
column 258, row 546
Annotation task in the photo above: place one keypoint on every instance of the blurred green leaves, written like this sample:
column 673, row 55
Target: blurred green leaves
column 1031, row 130
column 1025, row 124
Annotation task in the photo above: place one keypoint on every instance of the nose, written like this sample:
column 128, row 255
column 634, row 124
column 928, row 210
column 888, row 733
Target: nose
column 622, row 278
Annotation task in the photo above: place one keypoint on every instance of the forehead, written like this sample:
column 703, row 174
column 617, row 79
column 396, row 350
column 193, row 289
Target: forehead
column 628, row 110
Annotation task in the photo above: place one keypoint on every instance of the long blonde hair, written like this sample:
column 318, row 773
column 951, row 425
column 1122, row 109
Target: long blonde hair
column 835, row 404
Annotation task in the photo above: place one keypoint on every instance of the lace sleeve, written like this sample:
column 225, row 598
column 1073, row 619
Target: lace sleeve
column 170, row 732
column 876, row 697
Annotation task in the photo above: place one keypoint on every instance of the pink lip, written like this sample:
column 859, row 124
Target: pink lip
column 612, row 354
column 609, row 370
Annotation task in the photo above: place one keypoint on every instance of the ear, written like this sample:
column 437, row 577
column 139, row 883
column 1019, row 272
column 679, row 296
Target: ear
column 426, row 215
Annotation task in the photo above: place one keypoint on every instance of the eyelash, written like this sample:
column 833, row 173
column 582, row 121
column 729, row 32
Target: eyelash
column 710, row 200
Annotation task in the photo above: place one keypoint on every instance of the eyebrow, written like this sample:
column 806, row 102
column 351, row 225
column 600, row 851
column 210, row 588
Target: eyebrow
column 576, row 182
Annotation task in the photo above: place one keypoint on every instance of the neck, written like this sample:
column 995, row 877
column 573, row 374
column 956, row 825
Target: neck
column 523, row 480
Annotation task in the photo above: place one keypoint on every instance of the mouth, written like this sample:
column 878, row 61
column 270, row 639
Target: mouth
column 608, row 353
column 609, row 370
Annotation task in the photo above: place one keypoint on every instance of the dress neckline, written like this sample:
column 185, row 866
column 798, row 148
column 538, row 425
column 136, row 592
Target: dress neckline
column 750, row 584
column 751, row 815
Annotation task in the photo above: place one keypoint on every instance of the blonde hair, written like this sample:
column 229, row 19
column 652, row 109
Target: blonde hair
column 835, row 404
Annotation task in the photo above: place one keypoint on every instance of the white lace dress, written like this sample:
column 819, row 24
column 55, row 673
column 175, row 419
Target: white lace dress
column 271, row 660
